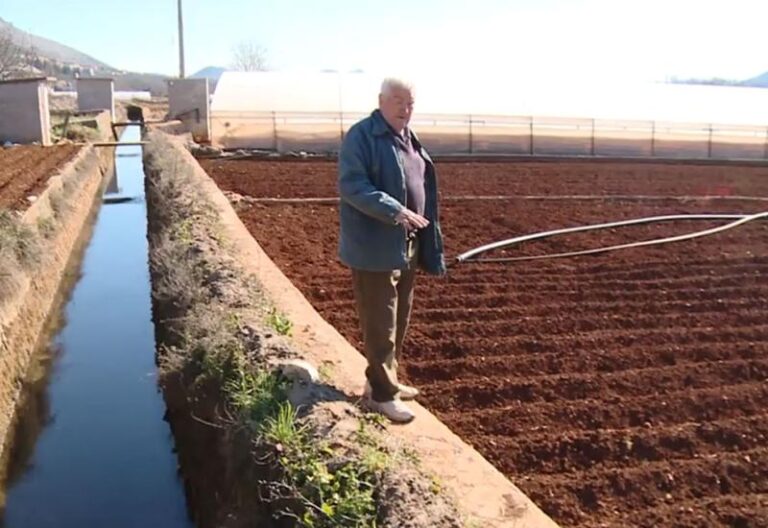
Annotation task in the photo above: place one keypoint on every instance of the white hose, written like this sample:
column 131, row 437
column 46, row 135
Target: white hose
column 739, row 220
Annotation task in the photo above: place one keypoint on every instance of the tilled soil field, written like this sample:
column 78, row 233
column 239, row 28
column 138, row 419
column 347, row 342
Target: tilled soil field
column 622, row 389
column 301, row 179
column 24, row 171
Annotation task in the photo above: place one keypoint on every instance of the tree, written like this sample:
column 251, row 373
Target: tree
column 11, row 56
column 249, row 56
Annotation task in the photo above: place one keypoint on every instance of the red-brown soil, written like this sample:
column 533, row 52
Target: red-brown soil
column 623, row 389
column 303, row 179
column 24, row 171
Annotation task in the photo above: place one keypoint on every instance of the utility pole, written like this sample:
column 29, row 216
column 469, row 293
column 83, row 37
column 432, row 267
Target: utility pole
column 181, row 42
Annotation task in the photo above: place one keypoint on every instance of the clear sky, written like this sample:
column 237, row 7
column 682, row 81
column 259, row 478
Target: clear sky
column 527, row 39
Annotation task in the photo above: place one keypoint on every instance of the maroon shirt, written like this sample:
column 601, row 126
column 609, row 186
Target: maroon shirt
column 414, row 167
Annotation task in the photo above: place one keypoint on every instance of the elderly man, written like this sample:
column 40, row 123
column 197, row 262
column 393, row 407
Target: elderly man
column 389, row 227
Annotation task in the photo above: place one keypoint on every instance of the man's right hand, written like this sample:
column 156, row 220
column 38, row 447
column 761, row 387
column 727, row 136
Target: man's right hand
column 410, row 220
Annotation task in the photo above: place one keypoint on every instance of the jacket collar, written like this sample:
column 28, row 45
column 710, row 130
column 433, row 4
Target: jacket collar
column 380, row 126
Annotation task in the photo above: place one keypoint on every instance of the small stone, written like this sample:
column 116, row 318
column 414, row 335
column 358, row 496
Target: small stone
column 298, row 369
column 32, row 199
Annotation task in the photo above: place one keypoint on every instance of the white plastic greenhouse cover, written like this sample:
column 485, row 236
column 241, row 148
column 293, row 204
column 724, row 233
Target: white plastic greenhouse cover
column 280, row 92
column 457, row 94
column 459, row 114
column 327, row 92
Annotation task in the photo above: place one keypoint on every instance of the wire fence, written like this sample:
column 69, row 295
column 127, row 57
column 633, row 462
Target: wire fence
column 493, row 134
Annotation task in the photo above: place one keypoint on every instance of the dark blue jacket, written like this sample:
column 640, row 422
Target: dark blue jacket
column 372, row 190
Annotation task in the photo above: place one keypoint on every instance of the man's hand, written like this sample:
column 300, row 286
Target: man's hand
column 411, row 221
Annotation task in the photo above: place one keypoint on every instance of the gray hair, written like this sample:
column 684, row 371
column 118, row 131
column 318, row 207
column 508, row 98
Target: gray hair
column 393, row 83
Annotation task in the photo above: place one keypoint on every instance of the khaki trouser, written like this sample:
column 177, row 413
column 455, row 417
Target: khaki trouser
column 384, row 300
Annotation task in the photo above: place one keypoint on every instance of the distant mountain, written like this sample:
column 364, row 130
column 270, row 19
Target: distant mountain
column 50, row 49
column 713, row 81
column 42, row 56
column 151, row 82
column 759, row 81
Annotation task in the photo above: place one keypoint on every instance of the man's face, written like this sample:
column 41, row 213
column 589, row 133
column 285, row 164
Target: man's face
column 397, row 107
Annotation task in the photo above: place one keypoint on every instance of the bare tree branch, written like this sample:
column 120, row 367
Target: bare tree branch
column 249, row 56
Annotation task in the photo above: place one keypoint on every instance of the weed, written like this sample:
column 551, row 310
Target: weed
column 256, row 396
column 279, row 322
column 435, row 486
column 283, row 429
column 183, row 230
column 325, row 370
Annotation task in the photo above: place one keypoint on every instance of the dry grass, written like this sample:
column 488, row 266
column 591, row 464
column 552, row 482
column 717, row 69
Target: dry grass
column 10, row 276
column 177, row 279
column 79, row 133
column 19, row 239
column 61, row 199
column 20, row 252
